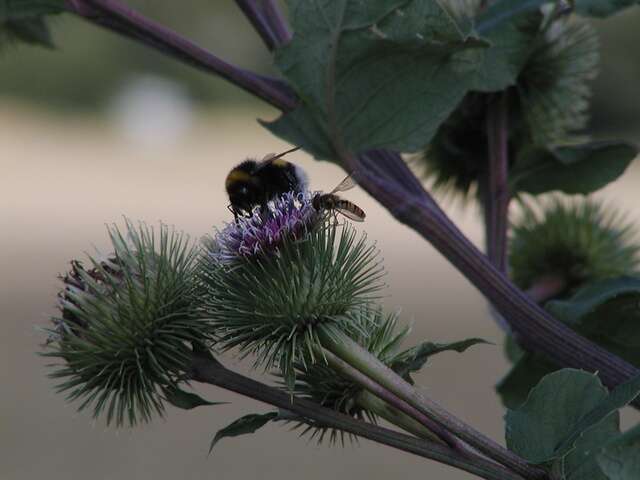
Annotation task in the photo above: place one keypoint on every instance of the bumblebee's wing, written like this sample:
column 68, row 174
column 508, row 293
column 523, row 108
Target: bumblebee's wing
column 347, row 184
column 269, row 158
column 356, row 217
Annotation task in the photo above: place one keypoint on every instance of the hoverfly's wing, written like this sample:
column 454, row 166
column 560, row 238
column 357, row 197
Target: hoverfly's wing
column 347, row 184
column 269, row 158
column 351, row 215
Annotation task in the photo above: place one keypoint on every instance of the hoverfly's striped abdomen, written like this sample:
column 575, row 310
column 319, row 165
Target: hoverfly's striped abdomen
column 332, row 202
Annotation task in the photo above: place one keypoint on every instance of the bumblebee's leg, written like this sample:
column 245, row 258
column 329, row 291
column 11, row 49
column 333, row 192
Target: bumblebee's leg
column 233, row 210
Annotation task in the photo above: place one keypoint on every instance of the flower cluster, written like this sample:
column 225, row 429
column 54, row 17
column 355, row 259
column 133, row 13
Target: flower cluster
column 287, row 217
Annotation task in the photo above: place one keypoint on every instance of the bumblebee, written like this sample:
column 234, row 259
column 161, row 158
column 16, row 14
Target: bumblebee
column 332, row 202
column 254, row 183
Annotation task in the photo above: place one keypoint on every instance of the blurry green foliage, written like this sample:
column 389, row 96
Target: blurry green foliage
column 101, row 62
column 90, row 64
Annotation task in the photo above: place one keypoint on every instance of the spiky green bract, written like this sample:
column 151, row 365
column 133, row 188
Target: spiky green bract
column 580, row 242
column 376, row 332
column 547, row 106
column 554, row 87
column 126, row 324
column 268, row 304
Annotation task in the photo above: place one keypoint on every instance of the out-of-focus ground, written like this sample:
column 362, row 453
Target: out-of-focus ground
column 150, row 155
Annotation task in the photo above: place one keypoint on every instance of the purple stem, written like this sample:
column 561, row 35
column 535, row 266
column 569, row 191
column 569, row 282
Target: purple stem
column 277, row 21
column 339, row 365
column 498, row 198
column 534, row 328
column 260, row 23
column 210, row 371
column 116, row 16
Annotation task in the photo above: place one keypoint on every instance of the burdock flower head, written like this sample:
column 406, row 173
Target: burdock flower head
column 123, row 338
column 270, row 280
column 578, row 242
column 288, row 217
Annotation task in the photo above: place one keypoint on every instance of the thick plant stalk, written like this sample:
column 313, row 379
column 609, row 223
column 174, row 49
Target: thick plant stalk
column 497, row 203
column 374, row 388
column 277, row 22
column 535, row 329
column 353, row 354
column 116, row 16
column 382, row 409
column 207, row 370
column 259, row 21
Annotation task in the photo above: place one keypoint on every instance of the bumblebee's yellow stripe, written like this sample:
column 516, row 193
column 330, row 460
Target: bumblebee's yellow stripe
column 236, row 176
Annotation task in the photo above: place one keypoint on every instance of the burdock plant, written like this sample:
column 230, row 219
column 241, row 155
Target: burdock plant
column 495, row 96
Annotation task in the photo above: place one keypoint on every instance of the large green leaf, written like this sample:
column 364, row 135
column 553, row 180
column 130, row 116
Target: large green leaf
column 551, row 413
column 386, row 73
column 24, row 21
column 566, row 420
column 621, row 396
column 414, row 358
column 22, row 9
column 620, row 459
column 501, row 12
column 243, row 426
column 581, row 462
column 527, row 372
column 602, row 8
column 577, row 169
column 607, row 313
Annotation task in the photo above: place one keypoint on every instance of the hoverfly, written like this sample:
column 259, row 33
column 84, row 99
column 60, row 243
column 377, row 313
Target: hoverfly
column 332, row 202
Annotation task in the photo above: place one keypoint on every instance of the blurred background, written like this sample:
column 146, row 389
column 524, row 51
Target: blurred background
column 102, row 128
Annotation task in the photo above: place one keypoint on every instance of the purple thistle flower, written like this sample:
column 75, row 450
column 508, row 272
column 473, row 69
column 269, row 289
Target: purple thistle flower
column 287, row 217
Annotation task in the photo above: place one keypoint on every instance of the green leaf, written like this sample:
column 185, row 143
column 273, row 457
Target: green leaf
column 24, row 21
column 186, row 400
column 498, row 67
column 581, row 462
column 607, row 313
column 384, row 75
column 414, row 358
column 243, row 426
column 502, row 11
column 601, row 8
column 621, row 396
column 551, row 413
column 567, row 418
column 578, row 169
column 23, row 9
column 527, row 372
column 620, row 459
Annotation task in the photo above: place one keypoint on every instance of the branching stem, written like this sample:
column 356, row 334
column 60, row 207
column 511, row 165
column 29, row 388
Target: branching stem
column 535, row 328
column 210, row 371
column 259, row 21
column 371, row 386
column 118, row 17
column 353, row 354
column 498, row 198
